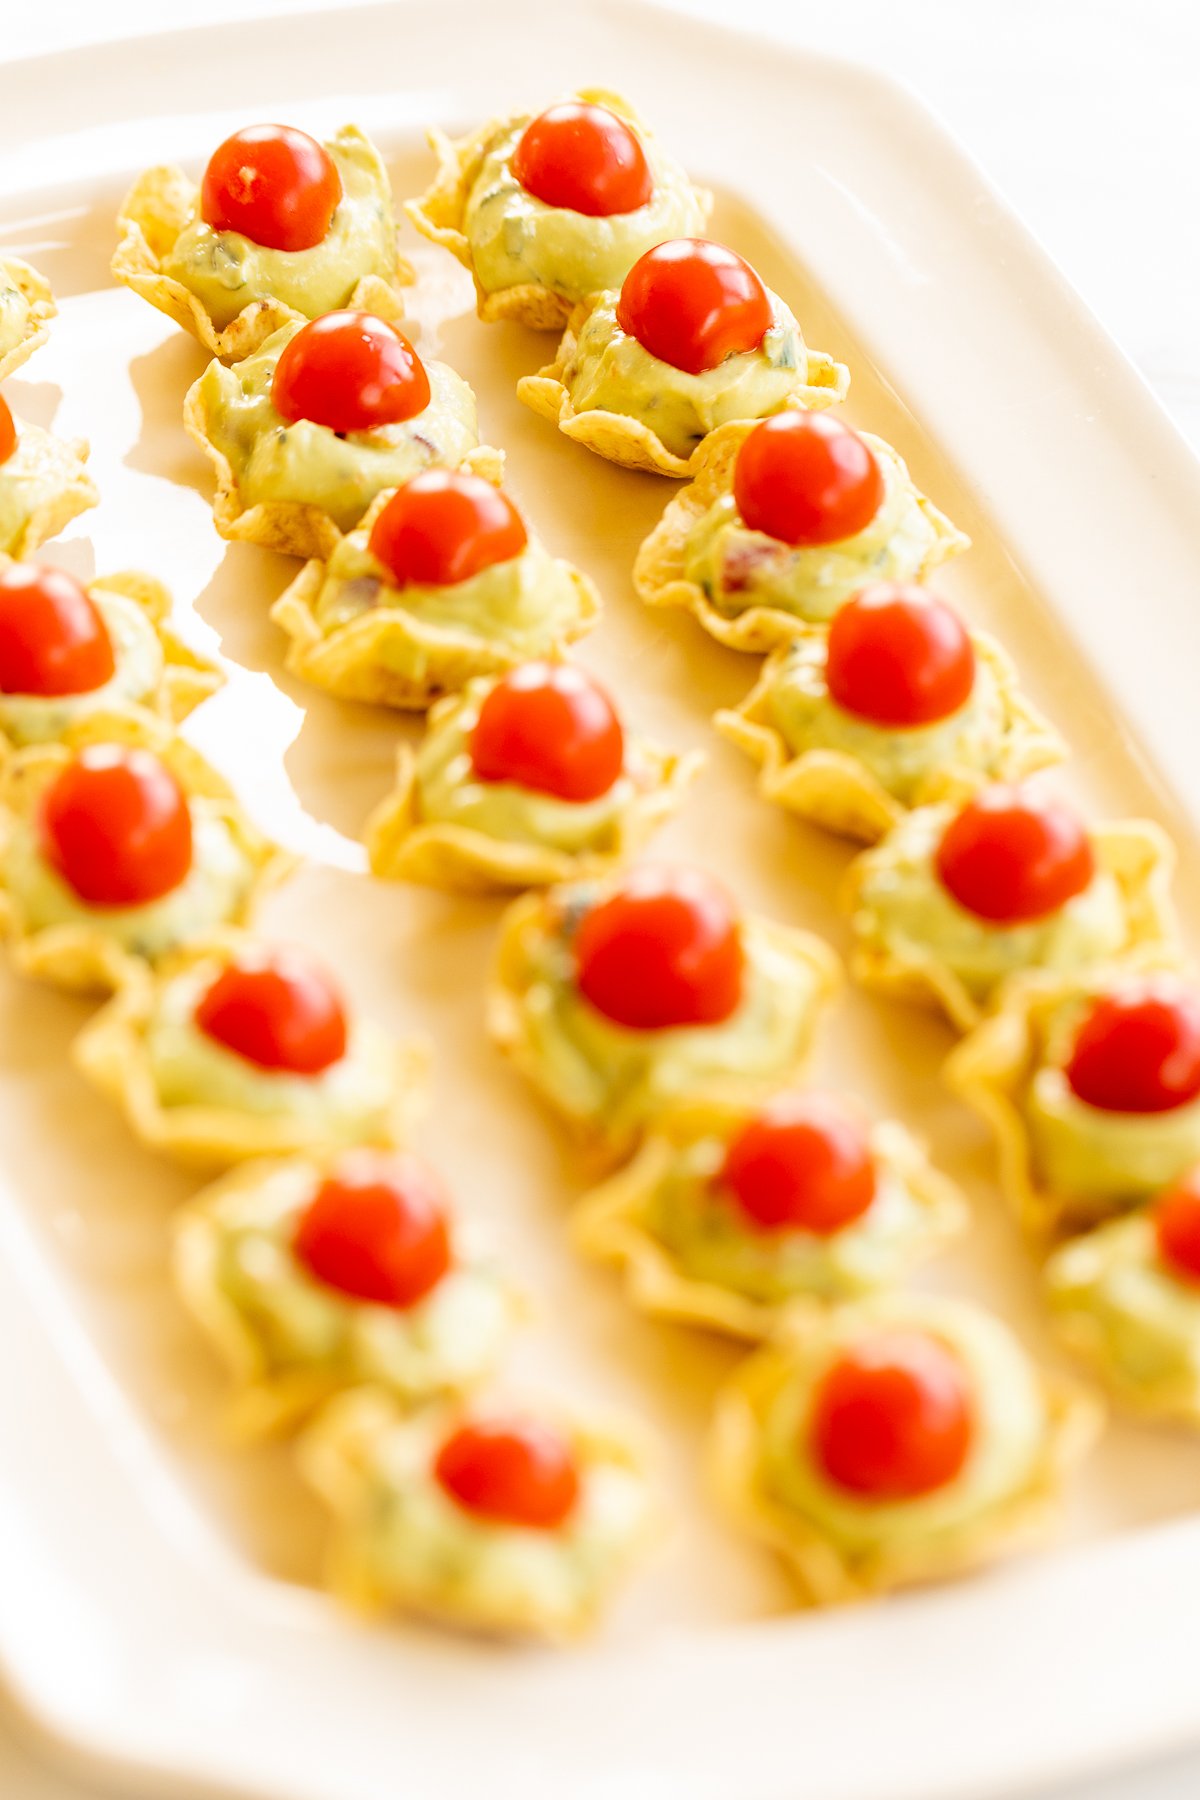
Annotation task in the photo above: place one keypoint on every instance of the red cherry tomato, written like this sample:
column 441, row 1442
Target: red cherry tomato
column 116, row 826
column 692, row 304
column 805, row 478
column 664, row 949
column 8, row 431
column 898, row 657
column 584, row 158
column 1011, row 856
column 892, row 1417
column 277, row 1010
column 801, row 1164
column 1138, row 1049
column 52, row 637
column 274, row 185
column 1176, row 1217
column 513, row 1473
column 551, row 727
column 349, row 371
column 444, row 526
column 376, row 1229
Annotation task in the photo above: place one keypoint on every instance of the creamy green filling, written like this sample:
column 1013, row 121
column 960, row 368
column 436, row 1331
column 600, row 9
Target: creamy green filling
column 516, row 238
column 211, row 894
column 711, row 1240
column 739, row 568
column 609, row 371
column 449, row 792
column 904, row 910
column 137, row 671
column 1145, row 1317
column 227, row 271
column 447, row 1340
column 310, row 465
column 350, row 1100
column 1008, row 1436
column 525, row 605
column 34, row 477
column 900, row 759
column 16, row 315
column 1080, row 1149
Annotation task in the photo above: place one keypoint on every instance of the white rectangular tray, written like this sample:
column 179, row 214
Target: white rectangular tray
column 158, row 1621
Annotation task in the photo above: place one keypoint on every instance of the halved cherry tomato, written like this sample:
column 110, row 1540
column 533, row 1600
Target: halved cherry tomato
column 376, row 1229
column 515, row 1472
column 583, row 157
column 8, row 431
column 692, row 304
column 801, row 1164
column 52, row 637
column 349, row 371
column 1138, row 1049
column 274, row 185
column 805, row 478
column 664, row 949
column 444, row 526
column 117, row 827
column 899, row 657
column 550, row 727
column 892, row 1418
column 277, row 1010
column 1176, row 1217
column 1011, row 856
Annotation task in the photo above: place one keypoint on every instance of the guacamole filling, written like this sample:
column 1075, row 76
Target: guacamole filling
column 137, row 672
column 1142, row 1319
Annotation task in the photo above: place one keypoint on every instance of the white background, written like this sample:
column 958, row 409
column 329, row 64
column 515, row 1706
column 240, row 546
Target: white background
column 1084, row 112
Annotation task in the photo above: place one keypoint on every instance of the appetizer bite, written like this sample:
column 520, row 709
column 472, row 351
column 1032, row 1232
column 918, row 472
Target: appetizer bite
column 439, row 584
column 43, row 484
column 26, row 308
column 894, row 705
column 784, row 522
column 521, row 782
column 730, row 1214
column 546, row 210
column 68, row 653
column 118, row 848
column 231, row 1049
column 498, row 1518
column 323, row 417
column 1093, row 1091
column 621, row 1000
column 280, row 228
column 314, row 1274
column 956, row 901
column 1126, row 1299
column 690, row 341
column 896, row 1440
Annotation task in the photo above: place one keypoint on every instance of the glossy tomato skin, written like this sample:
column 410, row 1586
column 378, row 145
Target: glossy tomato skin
column 1176, row 1216
column 806, row 479
column 1138, row 1049
column 691, row 303
column 664, row 949
column 53, row 640
column 1012, row 856
column 272, row 184
column 116, row 827
column 376, row 1229
column 898, row 657
column 892, row 1418
column 514, row 1472
column 445, row 526
column 277, row 1010
column 549, row 727
column 584, row 158
column 349, row 371
column 8, row 431
column 803, row 1163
